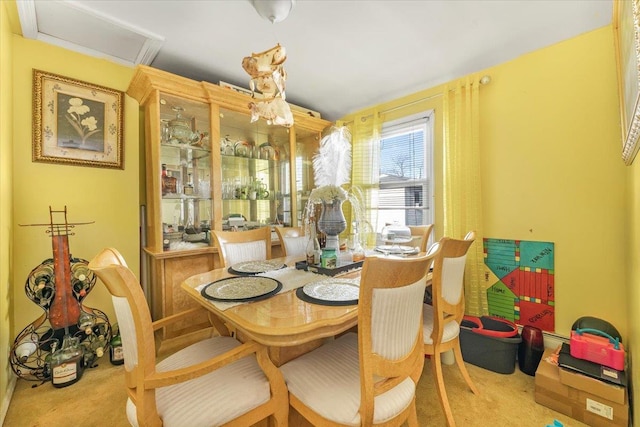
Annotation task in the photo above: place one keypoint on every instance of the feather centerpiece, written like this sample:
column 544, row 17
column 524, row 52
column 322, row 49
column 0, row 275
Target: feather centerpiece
column 332, row 163
column 327, row 193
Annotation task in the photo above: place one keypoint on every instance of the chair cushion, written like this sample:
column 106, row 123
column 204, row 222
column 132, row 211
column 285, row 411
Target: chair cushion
column 212, row 399
column 248, row 251
column 327, row 380
column 296, row 245
column 451, row 329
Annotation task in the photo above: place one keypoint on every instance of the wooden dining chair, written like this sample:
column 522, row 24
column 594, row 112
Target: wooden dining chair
column 292, row 241
column 421, row 233
column 442, row 319
column 241, row 246
column 216, row 381
column 368, row 378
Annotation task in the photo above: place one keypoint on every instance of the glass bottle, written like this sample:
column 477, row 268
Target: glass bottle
column 98, row 345
column 47, row 360
column 357, row 251
column 188, row 187
column 169, row 183
column 116, row 355
column 86, row 322
column 313, row 250
column 67, row 363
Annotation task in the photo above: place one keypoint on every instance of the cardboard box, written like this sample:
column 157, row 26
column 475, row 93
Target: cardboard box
column 578, row 404
column 608, row 391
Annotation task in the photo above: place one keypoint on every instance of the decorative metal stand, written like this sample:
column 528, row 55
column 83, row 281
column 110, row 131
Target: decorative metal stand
column 58, row 286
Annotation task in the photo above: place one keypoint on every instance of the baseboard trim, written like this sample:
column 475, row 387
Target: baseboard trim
column 7, row 398
column 551, row 339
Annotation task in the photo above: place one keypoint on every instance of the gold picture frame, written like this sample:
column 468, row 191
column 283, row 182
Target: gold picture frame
column 76, row 123
column 626, row 36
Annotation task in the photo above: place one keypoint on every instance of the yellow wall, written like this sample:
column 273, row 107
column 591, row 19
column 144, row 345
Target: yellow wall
column 6, row 126
column 552, row 171
column 108, row 197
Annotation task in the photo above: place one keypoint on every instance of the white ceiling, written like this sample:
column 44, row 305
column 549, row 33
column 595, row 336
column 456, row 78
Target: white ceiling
column 342, row 55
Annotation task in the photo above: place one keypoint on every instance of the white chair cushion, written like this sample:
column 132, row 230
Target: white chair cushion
column 395, row 319
column 127, row 329
column 451, row 329
column 212, row 399
column 453, row 278
column 327, row 380
column 296, row 245
column 242, row 252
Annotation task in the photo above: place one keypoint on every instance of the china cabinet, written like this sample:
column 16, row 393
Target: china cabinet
column 207, row 167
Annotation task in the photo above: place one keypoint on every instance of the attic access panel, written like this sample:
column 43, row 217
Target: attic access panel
column 74, row 27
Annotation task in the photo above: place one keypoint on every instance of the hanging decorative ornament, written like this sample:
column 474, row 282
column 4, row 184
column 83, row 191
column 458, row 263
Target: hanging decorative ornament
column 268, row 77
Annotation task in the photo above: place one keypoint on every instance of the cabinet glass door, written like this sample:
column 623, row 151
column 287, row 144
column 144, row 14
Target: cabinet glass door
column 256, row 181
column 306, row 147
column 185, row 157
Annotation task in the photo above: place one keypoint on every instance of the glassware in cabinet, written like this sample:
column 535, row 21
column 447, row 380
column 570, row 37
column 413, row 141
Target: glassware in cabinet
column 186, row 208
column 255, row 176
column 306, row 146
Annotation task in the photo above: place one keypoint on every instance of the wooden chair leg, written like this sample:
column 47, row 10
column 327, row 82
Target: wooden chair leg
column 412, row 420
column 436, row 364
column 463, row 369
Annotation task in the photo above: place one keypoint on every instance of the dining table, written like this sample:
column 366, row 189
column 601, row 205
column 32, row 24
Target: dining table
column 284, row 322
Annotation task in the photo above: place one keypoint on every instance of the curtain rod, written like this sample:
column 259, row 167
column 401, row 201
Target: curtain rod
column 483, row 81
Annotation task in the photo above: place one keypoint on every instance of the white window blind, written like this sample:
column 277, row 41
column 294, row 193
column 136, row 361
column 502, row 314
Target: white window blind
column 406, row 171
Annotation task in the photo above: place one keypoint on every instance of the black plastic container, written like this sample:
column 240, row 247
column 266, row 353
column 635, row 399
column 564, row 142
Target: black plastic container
column 530, row 349
column 490, row 343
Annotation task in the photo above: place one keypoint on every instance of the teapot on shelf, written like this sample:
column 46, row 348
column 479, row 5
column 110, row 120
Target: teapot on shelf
column 179, row 129
column 261, row 191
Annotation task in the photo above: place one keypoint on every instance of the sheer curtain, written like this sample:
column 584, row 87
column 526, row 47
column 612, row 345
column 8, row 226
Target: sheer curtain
column 365, row 170
column 462, row 198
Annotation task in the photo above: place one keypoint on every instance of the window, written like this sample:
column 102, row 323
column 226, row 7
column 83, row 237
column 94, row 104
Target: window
column 406, row 171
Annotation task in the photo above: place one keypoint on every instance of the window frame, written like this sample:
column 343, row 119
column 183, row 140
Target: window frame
column 423, row 121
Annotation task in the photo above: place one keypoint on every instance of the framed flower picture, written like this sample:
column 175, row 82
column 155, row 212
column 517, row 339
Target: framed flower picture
column 76, row 123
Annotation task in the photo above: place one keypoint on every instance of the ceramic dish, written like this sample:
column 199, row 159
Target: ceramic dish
column 238, row 289
column 338, row 291
column 396, row 249
column 255, row 267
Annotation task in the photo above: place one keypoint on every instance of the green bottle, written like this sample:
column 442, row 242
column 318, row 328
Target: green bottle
column 116, row 355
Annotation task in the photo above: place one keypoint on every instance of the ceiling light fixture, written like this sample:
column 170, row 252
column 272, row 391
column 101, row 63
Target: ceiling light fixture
column 273, row 10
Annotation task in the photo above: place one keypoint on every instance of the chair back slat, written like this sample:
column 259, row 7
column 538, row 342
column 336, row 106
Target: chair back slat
column 292, row 240
column 422, row 232
column 242, row 252
column 390, row 341
column 453, row 279
column 395, row 319
column 442, row 319
column 242, row 246
column 132, row 313
column 448, row 283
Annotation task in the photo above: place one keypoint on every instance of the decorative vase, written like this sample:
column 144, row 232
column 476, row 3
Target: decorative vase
column 332, row 222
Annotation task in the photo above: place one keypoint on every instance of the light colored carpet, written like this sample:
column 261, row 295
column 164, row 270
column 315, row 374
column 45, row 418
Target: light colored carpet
column 98, row 399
